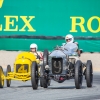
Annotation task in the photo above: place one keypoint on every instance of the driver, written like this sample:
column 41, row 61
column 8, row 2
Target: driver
column 70, row 39
column 33, row 49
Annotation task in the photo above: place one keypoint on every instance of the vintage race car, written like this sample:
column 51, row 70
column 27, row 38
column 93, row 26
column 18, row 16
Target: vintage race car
column 26, row 67
column 63, row 64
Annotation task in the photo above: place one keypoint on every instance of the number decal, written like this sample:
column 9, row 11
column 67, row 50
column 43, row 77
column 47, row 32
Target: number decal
column 21, row 69
column 57, row 65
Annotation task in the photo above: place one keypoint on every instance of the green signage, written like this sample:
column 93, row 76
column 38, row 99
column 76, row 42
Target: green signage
column 80, row 18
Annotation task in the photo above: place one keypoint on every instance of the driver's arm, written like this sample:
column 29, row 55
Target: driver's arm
column 38, row 57
column 78, row 51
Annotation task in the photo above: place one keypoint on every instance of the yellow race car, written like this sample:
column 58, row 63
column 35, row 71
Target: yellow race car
column 26, row 67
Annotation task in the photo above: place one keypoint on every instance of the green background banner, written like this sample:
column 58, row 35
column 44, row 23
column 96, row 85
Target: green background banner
column 23, row 44
column 49, row 18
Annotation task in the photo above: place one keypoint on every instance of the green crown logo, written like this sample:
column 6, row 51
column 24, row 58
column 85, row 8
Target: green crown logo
column 1, row 3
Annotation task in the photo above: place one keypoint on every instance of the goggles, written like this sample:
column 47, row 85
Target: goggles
column 32, row 48
column 68, row 39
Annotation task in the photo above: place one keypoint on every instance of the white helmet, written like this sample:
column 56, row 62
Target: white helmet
column 33, row 45
column 69, row 36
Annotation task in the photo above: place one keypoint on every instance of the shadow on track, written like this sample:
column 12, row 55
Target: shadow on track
column 64, row 87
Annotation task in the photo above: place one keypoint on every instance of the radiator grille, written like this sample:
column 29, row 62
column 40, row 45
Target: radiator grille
column 22, row 68
column 57, row 65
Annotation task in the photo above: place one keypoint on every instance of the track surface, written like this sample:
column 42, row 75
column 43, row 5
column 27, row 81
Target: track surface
column 57, row 91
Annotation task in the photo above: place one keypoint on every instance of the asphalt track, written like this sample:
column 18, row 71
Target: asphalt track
column 57, row 91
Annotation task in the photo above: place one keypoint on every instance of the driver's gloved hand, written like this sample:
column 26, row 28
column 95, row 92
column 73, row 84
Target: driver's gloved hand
column 38, row 57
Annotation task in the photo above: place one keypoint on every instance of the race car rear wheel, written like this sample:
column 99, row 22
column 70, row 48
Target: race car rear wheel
column 1, row 77
column 89, row 73
column 78, row 74
column 8, row 81
column 34, row 75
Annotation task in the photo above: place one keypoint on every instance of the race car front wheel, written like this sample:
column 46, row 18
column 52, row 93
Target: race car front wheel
column 8, row 81
column 89, row 73
column 34, row 75
column 45, row 82
column 45, row 58
column 1, row 78
column 78, row 74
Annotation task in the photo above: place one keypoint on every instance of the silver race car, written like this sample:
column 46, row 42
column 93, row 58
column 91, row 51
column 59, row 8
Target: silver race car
column 63, row 63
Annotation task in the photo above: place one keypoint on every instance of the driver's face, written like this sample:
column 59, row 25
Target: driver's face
column 68, row 40
column 33, row 49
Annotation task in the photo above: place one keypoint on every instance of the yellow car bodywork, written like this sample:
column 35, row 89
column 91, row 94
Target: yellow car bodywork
column 22, row 67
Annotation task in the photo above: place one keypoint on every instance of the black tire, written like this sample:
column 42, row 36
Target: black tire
column 1, row 77
column 89, row 73
column 45, row 83
column 8, row 81
column 45, row 58
column 34, row 75
column 78, row 74
column 45, row 62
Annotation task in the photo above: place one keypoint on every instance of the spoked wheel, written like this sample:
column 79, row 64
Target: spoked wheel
column 8, row 81
column 34, row 75
column 1, row 77
column 45, row 62
column 78, row 74
column 89, row 73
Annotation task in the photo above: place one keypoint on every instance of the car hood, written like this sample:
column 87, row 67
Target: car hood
column 57, row 53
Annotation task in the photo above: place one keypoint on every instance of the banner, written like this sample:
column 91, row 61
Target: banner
column 23, row 22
